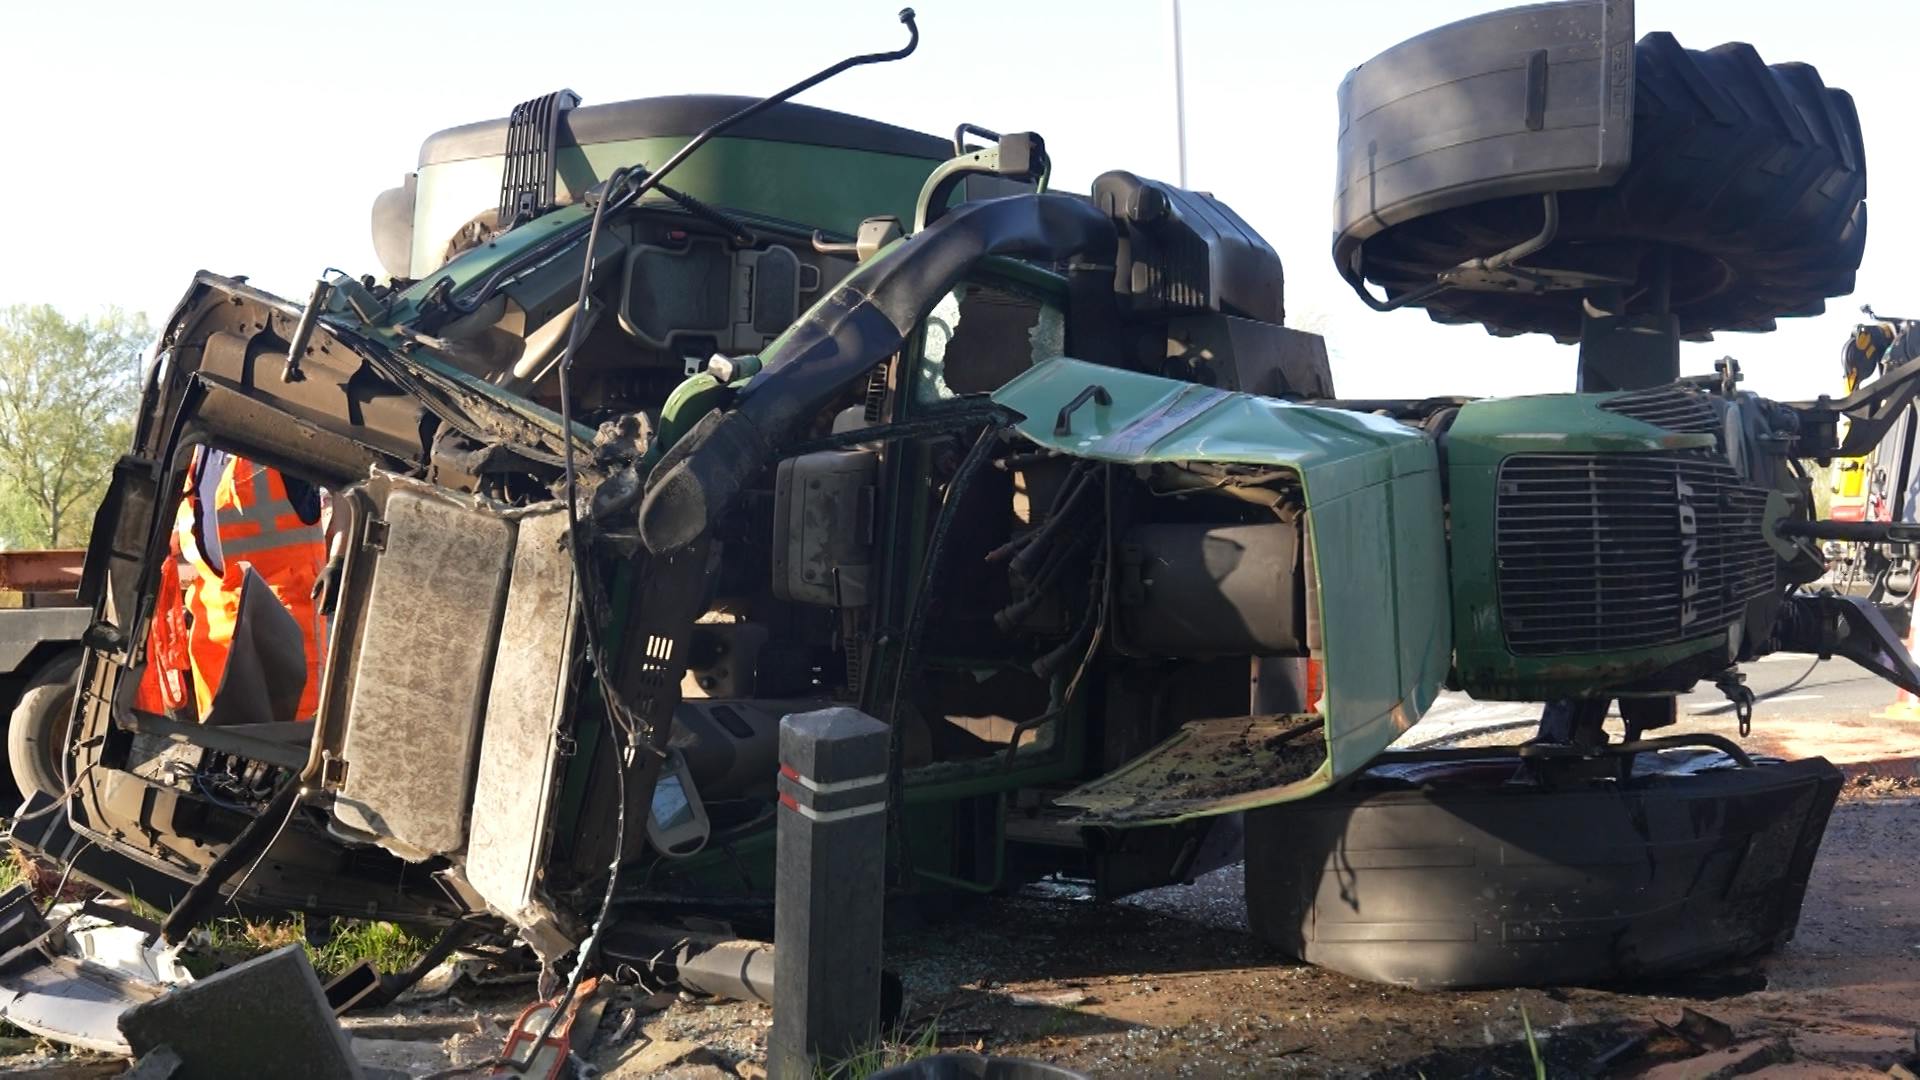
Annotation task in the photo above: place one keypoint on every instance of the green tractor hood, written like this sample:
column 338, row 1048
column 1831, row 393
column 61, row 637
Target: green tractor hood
column 1377, row 574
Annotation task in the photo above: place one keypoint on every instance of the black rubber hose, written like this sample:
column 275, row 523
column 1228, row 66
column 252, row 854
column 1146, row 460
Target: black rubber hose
column 866, row 319
column 1065, row 507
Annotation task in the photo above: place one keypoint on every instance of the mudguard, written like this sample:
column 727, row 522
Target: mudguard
column 1379, row 578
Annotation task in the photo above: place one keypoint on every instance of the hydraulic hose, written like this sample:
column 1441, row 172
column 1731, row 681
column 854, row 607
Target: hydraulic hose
column 862, row 322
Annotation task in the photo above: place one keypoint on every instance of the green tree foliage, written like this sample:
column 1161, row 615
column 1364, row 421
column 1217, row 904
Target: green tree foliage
column 68, row 389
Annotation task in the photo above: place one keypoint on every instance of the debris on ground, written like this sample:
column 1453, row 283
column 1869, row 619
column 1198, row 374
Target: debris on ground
column 1170, row 979
column 1738, row 1060
column 1701, row 1030
column 265, row 1017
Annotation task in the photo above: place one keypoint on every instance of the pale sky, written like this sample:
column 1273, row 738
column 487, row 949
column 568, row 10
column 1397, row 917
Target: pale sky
column 146, row 140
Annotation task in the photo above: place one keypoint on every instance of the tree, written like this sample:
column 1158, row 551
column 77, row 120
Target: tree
column 68, row 388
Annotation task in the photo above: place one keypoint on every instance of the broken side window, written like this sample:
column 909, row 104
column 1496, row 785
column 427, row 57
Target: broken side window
column 979, row 336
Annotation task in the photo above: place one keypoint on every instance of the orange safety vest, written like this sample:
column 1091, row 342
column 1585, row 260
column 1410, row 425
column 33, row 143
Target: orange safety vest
column 254, row 523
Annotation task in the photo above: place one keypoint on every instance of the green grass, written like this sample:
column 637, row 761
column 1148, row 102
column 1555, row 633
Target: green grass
column 896, row 1048
column 231, row 940
column 1533, row 1046
column 388, row 947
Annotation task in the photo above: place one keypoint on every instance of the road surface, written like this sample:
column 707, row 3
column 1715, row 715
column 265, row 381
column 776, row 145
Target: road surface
column 1833, row 690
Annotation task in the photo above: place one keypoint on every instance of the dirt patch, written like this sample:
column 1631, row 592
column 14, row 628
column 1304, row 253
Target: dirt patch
column 1171, row 984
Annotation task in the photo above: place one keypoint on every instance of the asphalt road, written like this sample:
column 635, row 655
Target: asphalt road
column 1834, row 689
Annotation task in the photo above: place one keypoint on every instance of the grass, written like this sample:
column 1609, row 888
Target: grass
column 15, row 869
column 341, row 945
column 896, row 1048
column 19, row 867
column 1533, row 1046
column 388, row 947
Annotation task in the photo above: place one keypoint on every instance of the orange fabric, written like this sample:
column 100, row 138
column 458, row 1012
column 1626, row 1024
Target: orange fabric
column 255, row 525
column 163, row 686
column 164, row 681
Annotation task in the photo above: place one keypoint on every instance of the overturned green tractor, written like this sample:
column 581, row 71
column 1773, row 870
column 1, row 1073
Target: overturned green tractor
column 677, row 416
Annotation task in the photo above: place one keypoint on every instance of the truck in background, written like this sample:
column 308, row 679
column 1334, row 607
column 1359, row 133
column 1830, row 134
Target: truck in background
column 41, row 622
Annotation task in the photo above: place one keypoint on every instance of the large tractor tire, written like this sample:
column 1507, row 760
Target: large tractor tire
column 1481, row 872
column 1750, row 178
column 37, row 731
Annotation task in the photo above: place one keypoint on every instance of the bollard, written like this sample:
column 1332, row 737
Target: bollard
column 829, row 888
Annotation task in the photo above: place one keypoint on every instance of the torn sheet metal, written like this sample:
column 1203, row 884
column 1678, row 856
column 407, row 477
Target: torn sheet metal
column 74, row 1002
column 1372, row 491
column 85, row 972
column 1210, row 767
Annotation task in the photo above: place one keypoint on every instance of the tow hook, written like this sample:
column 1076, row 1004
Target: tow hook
column 1734, row 684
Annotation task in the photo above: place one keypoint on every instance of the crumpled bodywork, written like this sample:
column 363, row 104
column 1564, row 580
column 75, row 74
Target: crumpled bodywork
column 1378, row 584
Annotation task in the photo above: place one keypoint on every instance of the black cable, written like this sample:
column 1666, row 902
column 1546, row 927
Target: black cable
column 621, row 194
column 582, row 567
column 976, row 457
column 576, row 543
column 714, row 216
column 560, row 241
column 904, row 429
column 61, row 885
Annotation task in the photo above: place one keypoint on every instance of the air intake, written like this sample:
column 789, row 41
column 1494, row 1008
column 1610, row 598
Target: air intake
column 1670, row 407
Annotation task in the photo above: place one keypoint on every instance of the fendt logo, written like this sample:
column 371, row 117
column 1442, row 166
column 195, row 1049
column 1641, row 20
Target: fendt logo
column 1689, row 551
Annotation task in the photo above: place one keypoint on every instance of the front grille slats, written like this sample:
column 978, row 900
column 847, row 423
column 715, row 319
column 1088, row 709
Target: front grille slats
column 1590, row 550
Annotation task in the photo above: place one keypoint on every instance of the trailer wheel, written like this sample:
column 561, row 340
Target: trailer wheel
column 37, row 732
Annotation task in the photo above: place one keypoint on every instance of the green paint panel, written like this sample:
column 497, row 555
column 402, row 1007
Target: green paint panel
column 1483, row 435
column 1378, row 533
column 818, row 186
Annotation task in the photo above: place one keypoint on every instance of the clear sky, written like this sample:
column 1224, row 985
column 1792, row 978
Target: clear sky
column 145, row 140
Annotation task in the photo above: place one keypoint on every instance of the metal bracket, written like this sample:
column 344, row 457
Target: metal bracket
column 1870, row 411
column 1490, row 271
column 1827, row 624
column 528, row 184
column 333, row 772
column 1019, row 156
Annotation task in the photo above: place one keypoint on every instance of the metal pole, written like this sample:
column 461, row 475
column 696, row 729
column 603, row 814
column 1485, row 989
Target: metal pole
column 1179, row 93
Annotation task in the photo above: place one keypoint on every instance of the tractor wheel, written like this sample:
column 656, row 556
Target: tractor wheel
column 1407, row 873
column 37, row 732
column 1751, row 179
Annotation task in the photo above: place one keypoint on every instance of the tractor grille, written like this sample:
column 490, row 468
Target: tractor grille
column 1669, row 407
column 1594, row 552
